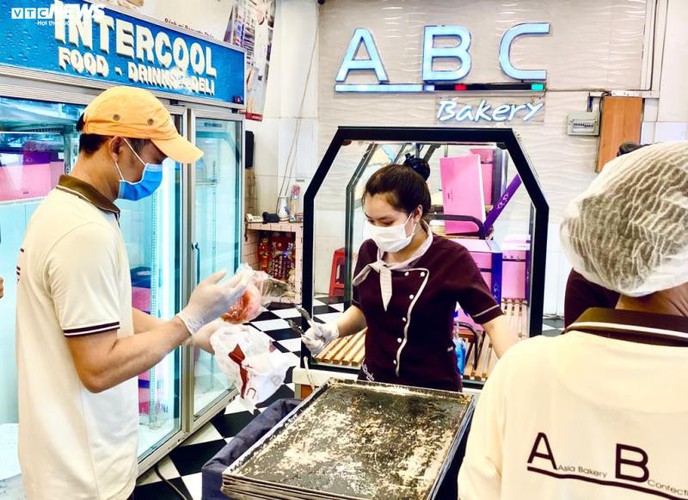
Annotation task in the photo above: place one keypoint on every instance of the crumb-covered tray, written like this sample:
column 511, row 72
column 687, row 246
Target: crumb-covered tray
column 355, row 439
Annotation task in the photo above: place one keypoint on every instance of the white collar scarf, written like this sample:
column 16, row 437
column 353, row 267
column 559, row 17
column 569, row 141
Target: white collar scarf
column 384, row 269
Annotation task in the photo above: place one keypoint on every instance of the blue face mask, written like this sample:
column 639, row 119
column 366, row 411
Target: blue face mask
column 151, row 178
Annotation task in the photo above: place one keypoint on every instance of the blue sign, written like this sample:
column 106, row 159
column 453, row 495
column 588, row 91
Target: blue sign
column 86, row 40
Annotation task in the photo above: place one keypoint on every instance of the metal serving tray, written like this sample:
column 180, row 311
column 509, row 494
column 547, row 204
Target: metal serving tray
column 353, row 440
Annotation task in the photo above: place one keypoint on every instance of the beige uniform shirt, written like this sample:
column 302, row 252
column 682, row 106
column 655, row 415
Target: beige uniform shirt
column 73, row 280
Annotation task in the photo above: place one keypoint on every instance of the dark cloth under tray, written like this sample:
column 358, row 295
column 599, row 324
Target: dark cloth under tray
column 211, row 474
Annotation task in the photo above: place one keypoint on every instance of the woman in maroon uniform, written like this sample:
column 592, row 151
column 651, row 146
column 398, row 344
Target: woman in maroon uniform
column 406, row 285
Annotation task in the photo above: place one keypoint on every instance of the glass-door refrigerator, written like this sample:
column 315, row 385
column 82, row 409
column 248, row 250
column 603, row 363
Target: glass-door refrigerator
column 215, row 197
column 152, row 230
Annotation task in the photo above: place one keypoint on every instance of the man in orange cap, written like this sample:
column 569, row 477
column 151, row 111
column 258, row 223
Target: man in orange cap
column 80, row 344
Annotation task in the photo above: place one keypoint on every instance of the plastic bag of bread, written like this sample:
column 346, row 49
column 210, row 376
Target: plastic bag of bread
column 250, row 361
column 260, row 291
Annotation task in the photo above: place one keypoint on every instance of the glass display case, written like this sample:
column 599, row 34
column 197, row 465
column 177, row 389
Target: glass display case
column 485, row 196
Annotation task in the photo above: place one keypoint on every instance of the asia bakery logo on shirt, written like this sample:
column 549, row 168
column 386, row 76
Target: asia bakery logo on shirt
column 631, row 469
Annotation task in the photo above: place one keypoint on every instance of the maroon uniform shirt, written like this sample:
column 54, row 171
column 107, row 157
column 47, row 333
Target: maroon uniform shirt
column 582, row 294
column 411, row 342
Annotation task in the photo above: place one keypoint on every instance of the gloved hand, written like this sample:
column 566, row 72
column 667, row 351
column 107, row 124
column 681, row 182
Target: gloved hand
column 210, row 299
column 318, row 336
column 202, row 337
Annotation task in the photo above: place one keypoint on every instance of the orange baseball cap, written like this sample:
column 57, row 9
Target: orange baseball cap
column 136, row 113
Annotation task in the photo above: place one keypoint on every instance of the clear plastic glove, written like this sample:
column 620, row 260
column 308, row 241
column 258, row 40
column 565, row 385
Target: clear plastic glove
column 202, row 337
column 210, row 299
column 319, row 335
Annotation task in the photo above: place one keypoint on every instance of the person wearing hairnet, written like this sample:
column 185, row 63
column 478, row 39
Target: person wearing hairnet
column 582, row 294
column 601, row 412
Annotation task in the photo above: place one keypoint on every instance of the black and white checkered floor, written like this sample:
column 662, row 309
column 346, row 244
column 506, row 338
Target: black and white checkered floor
column 182, row 467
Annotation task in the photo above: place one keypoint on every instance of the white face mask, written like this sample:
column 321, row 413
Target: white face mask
column 391, row 239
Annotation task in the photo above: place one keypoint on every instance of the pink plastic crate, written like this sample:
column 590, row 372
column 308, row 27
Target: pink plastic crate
column 487, row 166
column 462, row 191
column 488, row 257
column 514, row 279
column 29, row 180
column 515, row 270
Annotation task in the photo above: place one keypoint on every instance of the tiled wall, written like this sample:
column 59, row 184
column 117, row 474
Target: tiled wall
column 250, row 248
column 250, row 192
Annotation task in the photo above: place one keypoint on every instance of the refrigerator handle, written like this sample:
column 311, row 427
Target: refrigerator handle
column 197, row 250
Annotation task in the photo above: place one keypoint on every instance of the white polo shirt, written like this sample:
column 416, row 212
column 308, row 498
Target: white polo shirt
column 597, row 413
column 73, row 280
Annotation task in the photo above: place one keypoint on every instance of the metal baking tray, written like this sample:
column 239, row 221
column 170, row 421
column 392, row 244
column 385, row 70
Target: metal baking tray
column 354, row 440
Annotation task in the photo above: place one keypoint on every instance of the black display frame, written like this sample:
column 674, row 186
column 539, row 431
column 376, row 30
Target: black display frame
column 505, row 138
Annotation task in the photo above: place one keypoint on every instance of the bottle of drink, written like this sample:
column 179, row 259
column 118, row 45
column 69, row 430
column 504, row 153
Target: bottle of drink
column 459, row 345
